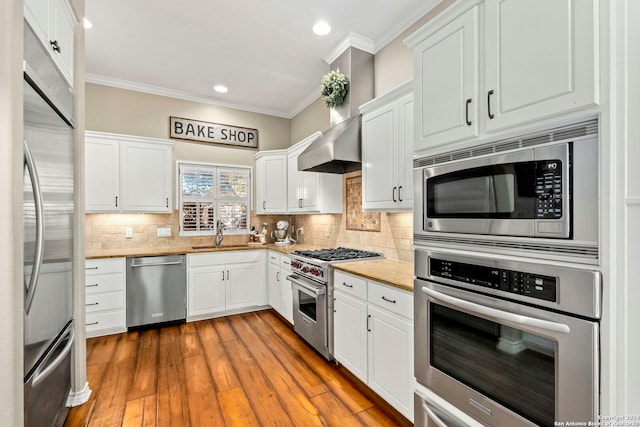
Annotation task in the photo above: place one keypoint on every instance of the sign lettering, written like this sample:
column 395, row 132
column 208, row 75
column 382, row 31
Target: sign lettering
column 193, row 130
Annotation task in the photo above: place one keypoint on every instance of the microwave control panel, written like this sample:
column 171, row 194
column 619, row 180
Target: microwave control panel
column 516, row 282
column 549, row 190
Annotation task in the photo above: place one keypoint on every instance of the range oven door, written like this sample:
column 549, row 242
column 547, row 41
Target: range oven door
column 310, row 313
column 523, row 193
column 505, row 363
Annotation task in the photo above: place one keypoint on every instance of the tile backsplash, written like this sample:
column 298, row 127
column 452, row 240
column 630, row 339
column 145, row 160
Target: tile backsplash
column 107, row 232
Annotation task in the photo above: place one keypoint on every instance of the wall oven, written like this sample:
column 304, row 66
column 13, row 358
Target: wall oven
column 541, row 186
column 507, row 343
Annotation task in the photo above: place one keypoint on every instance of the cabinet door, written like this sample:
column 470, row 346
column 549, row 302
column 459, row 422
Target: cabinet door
column 310, row 191
column 405, row 152
column 286, row 295
column 391, row 359
column 272, row 184
column 274, row 284
column 146, row 175
column 379, row 154
column 445, row 81
column 206, row 290
column 102, row 179
column 36, row 12
column 350, row 334
column 536, row 73
column 241, row 282
column 61, row 36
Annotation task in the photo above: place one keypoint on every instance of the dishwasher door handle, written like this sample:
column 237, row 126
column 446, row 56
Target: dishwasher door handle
column 155, row 264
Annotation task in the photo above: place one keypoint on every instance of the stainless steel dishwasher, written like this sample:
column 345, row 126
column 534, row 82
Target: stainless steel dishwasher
column 156, row 289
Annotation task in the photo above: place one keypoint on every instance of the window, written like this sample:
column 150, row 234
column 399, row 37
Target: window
column 209, row 193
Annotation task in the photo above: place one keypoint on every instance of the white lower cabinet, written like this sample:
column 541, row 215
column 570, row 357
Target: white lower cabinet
column 373, row 337
column 224, row 283
column 105, row 296
column 280, row 290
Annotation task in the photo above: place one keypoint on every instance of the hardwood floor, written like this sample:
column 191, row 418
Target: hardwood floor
column 243, row 370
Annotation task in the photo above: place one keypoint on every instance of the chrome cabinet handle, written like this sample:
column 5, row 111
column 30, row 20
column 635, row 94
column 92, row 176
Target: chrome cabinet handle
column 227, row 274
column 392, row 301
column 466, row 114
column 499, row 316
column 264, row 202
column 491, row 116
column 278, row 276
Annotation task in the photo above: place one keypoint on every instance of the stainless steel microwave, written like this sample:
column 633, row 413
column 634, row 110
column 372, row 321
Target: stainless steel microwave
column 537, row 187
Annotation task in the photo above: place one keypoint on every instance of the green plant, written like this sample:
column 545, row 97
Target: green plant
column 334, row 88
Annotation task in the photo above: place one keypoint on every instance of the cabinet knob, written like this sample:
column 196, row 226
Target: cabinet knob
column 55, row 46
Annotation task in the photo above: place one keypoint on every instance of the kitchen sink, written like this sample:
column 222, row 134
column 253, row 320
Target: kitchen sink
column 212, row 247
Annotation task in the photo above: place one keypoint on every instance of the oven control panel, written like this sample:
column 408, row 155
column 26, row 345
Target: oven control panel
column 516, row 282
column 307, row 269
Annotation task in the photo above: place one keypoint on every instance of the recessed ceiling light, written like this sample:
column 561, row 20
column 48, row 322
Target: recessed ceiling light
column 220, row 88
column 87, row 24
column 322, row 28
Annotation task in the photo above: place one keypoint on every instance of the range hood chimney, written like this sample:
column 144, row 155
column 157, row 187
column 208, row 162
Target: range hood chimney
column 338, row 150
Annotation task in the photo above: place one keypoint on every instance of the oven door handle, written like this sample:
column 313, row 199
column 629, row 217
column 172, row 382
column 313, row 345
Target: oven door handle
column 500, row 316
column 308, row 287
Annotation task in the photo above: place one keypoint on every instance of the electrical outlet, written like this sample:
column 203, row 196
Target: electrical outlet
column 164, row 232
column 327, row 233
column 128, row 232
column 301, row 230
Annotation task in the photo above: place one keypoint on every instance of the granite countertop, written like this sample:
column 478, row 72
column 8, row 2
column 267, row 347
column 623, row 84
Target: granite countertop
column 116, row 253
column 398, row 274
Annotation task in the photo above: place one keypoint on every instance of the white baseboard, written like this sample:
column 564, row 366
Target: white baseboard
column 77, row 398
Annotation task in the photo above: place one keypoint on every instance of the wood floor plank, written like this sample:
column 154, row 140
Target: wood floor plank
column 297, row 404
column 146, row 372
column 243, row 370
column 203, row 409
column 295, row 363
column 173, row 409
column 237, row 409
column 222, row 371
column 109, row 408
column 258, row 389
column 343, row 388
column 333, row 412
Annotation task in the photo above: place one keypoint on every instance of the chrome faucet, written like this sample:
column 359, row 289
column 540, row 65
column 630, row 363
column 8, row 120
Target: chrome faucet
column 219, row 230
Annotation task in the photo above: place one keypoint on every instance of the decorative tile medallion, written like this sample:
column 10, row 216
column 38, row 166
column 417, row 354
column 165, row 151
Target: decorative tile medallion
column 356, row 218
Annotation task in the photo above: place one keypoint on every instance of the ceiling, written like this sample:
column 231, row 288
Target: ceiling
column 264, row 51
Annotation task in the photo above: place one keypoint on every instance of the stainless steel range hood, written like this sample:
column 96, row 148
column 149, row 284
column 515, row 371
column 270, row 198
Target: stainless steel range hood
column 338, row 150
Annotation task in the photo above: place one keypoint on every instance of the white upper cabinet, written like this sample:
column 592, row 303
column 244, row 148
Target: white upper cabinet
column 446, row 83
column 500, row 64
column 387, row 149
column 54, row 23
column 127, row 174
column 271, row 182
column 282, row 188
column 540, row 58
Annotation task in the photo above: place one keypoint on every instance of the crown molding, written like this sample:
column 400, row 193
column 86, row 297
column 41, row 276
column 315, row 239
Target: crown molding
column 185, row 96
column 349, row 40
column 403, row 25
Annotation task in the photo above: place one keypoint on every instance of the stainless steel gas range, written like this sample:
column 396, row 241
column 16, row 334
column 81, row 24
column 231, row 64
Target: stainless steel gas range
column 312, row 281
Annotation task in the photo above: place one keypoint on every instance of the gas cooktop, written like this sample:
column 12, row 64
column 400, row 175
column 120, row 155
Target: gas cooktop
column 338, row 254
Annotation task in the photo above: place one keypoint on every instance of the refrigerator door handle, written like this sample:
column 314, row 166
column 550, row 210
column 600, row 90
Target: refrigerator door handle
column 42, row 373
column 39, row 247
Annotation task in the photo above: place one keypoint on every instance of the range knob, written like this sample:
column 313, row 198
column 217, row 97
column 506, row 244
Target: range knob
column 305, row 269
column 314, row 271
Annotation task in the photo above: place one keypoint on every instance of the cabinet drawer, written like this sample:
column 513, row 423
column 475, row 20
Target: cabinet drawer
column 392, row 299
column 104, row 301
column 106, row 320
column 104, row 283
column 285, row 262
column 351, row 285
column 101, row 266
column 273, row 257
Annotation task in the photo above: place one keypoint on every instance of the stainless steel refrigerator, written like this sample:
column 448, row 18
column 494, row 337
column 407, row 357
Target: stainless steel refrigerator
column 48, row 237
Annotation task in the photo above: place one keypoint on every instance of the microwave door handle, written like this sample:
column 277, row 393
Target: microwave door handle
column 512, row 319
column 39, row 243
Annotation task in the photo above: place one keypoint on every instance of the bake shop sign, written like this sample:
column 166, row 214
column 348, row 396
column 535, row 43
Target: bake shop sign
column 214, row 133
